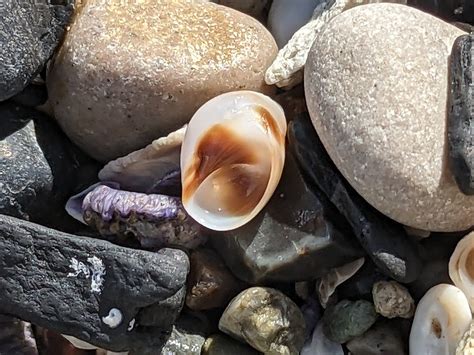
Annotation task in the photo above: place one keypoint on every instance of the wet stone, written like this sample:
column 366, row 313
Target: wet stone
column 210, row 283
column 39, row 167
column 109, row 296
column 347, row 320
column 385, row 241
column 16, row 337
column 219, row 344
column 266, row 319
column 461, row 114
column 296, row 237
column 29, row 34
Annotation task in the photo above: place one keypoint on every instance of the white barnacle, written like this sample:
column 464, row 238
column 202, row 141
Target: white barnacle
column 114, row 318
column 98, row 272
column 131, row 325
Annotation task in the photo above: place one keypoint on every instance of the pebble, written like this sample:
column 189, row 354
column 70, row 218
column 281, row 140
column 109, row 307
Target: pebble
column 321, row 345
column 142, row 69
column 80, row 279
column 286, row 17
column 397, row 162
column 296, row 237
column 383, row 338
column 461, row 114
column 266, row 319
column 30, row 34
column 38, row 167
column 219, row 344
column 392, row 300
column 16, row 337
column 185, row 339
column 347, row 320
column 385, row 241
column 210, row 283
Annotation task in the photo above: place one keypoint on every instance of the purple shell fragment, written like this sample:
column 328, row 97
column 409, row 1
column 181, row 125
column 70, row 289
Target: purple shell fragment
column 155, row 220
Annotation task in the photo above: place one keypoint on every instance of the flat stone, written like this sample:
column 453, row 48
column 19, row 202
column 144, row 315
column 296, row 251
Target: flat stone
column 210, row 283
column 219, row 344
column 146, row 67
column 461, row 114
column 16, row 337
column 29, row 34
column 109, row 296
column 384, row 338
column 266, row 319
column 382, row 120
column 386, row 242
column 38, row 167
column 347, row 320
column 297, row 236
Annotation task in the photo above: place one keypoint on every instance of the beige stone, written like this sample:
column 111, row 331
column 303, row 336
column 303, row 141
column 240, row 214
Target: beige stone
column 376, row 88
column 128, row 73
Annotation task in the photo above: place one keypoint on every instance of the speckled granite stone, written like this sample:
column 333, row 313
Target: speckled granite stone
column 128, row 74
column 376, row 88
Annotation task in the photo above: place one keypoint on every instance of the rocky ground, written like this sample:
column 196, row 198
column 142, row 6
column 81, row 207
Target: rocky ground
column 236, row 177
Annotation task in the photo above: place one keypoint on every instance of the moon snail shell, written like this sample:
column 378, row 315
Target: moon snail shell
column 232, row 158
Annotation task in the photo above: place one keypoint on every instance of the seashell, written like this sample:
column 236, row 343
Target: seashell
column 147, row 169
column 461, row 267
column 232, row 158
column 441, row 318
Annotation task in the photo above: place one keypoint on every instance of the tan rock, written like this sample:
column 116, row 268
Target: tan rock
column 376, row 89
column 392, row 300
column 127, row 74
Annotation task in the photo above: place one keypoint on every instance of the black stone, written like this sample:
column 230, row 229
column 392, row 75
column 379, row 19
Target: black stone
column 16, row 337
column 31, row 96
column 386, row 242
column 39, row 168
column 41, row 282
column 29, row 34
column 461, row 114
column 296, row 237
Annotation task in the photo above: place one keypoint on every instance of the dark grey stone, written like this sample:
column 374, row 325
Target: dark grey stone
column 384, row 240
column 296, row 237
column 16, row 337
column 39, row 168
column 461, row 114
column 68, row 284
column 29, row 34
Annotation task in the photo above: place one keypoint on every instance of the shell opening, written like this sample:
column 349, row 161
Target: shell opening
column 469, row 264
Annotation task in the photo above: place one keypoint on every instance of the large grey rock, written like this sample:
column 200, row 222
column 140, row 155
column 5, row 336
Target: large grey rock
column 112, row 297
column 382, row 118
column 461, row 114
column 39, row 167
column 29, row 33
column 16, row 337
column 297, row 236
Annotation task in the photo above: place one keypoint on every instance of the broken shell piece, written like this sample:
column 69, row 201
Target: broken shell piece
column 327, row 284
column 232, row 158
column 155, row 220
column 144, row 170
column 461, row 267
column 466, row 345
column 285, row 70
column 441, row 318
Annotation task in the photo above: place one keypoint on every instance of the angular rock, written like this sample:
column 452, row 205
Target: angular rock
column 121, row 72
column 384, row 338
column 296, row 237
column 112, row 297
column 266, row 319
column 461, row 114
column 16, row 337
column 392, row 119
column 392, row 300
column 29, row 33
column 385, row 241
column 39, row 167
column 185, row 339
column 347, row 320
column 210, row 283
column 219, row 344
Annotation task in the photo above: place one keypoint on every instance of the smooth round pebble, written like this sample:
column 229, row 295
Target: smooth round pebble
column 376, row 84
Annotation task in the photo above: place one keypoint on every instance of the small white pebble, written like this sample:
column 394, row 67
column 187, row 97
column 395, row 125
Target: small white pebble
column 114, row 318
